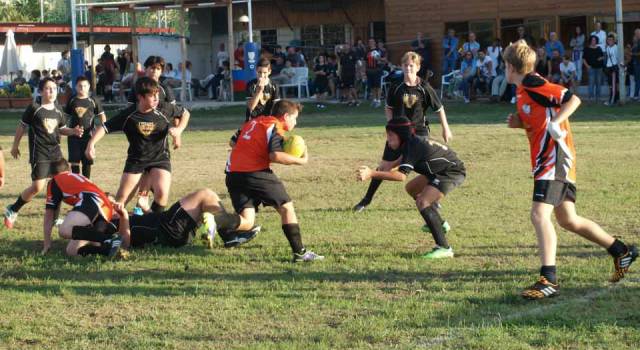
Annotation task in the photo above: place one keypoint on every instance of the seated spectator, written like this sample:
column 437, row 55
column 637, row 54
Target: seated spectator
column 468, row 70
column 18, row 80
column 46, row 74
column 554, row 74
column 321, row 81
column 277, row 66
column 34, row 80
column 286, row 74
column 542, row 63
column 169, row 72
column 222, row 56
column 485, row 73
column 332, row 74
column 279, row 53
column 499, row 84
column 568, row 72
column 295, row 57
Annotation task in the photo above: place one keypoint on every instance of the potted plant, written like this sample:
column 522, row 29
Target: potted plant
column 21, row 97
column 4, row 99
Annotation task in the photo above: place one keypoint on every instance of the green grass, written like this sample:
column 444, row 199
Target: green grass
column 372, row 291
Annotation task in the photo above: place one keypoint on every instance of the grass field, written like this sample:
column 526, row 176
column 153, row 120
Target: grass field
column 373, row 290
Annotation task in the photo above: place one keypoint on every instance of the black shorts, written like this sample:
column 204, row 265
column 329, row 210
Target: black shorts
column 389, row 154
column 77, row 146
column 249, row 190
column 446, row 182
column 347, row 81
column 172, row 228
column 41, row 170
column 322, row 87
column 373, row 78
column 89, row 206
column 553, row 192
column 138, row 167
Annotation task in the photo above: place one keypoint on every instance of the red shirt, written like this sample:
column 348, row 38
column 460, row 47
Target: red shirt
column 73, row 189
column 258, row 137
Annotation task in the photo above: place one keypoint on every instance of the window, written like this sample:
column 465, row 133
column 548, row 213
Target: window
column 485, row 32
column 269, row 39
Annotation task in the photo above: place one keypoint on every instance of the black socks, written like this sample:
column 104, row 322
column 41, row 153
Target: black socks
column 75, row 168
column 549, row 272
column 86, row 170
column 292, row 232
column 94, row 250
column 89, row 233
column 227, row 222
column 18, row 204
column 618, row 249
column 157, row 208
column 371, row 191
column 434, row 222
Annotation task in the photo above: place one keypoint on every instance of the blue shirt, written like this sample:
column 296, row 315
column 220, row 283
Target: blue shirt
column 473, row 47
column 469, row 64
column 450, row 44
column 554, row 45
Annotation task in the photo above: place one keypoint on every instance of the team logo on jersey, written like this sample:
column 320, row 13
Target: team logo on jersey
column 146, row 128
column 80, row 111
column 265, row 98
column 50, row 124
column 526, row 109
column 409, row 100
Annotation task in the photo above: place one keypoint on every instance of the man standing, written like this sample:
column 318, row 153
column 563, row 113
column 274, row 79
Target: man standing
column 601, row 34
column 450, row 50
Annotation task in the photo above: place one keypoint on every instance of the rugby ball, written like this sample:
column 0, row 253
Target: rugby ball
column 295, row 146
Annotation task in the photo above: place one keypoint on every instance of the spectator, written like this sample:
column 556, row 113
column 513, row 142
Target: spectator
column 553, row 66
column 64, row 65
column 472, row 45
column 221, row 56
column 34, row 80
column 109, row 67
column 499, row 84
column 125, row 63
column 238, row 55
column 374, row 73
column 450, row 51
column 495, row 53
column 286, row 74
column 348, row 62
column 577, row 47
column 19, row 79
column 568, row 72
column 360, row 49
column 46, row 74
column 295, row 57
column 425, row 54
column 277, row 66
column 593, row 59
column 332, row 74
column 553, row 44
column 169, row 73
column 485, row 72
column 522, row 35
column 628, row 67
column 635, row 62
column 469, row 69
column 601, row 34
column 419, row 40
column 279, row 53
column 542, row 63
column 321, row 81
column 611, row 66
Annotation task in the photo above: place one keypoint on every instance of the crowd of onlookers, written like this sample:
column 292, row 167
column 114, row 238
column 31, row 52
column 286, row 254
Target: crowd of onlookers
column 470, row 69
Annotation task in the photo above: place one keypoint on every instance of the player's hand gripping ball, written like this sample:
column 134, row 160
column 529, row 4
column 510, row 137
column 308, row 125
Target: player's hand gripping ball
column 294, row 145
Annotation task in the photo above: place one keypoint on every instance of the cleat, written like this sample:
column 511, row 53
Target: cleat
column 307, row 256
column 622, row 264
column 58, row 222
column 541, row 289
column 445, row 227
column 439, row 253
column 208, row 229
column 10, row 217
column 116, row 242
column 240, row 238
column 122, row 254
column 361, row 206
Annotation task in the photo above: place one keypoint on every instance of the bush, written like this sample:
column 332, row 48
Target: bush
column 4, row 93
column 22, row 91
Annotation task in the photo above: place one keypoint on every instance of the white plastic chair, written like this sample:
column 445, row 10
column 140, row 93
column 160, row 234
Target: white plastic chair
column 189, row 92
column 299, row 80
column 446, row 81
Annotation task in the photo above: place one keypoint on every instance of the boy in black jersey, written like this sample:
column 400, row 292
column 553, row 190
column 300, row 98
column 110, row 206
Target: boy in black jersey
column 147, row 127
column 46, row 122
column 439, row 169
column 175, row 227
column 409, row 99
column 82, row 110
column 153, row 68
column 348, row 61
column 262, row 92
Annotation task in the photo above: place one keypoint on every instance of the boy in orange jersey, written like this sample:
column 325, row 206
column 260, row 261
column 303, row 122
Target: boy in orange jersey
column 251, row 182
column 543, row 111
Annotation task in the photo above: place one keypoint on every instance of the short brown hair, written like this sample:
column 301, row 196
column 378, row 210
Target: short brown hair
column 59, row 166
column 412, row 56
column 264, row 63
column 520, row 56
column 146, row 85
column 283, row 107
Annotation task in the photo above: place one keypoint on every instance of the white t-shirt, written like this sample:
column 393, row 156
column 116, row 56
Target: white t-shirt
column 611, row 56
column 494, row 52
column 568, row 69
column 221, row 57
column 483, row 65
column 602, row 38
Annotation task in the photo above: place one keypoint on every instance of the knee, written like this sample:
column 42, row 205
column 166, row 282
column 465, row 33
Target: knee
column 569, row 224
column 65, row 231
column 538, row 218
column 286, row 208
column 422, row 201
column 209, row 194
column 72, row 249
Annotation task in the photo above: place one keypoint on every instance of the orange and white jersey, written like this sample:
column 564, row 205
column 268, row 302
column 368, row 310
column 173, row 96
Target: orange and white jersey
column 538, row 102
column 258, row 137
column 73, row 189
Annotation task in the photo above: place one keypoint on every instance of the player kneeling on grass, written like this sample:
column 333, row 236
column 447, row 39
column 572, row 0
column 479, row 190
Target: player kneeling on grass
column 543, row 111
column 92, row 211
column 175, row 227
column 439, row 169
column 251, row 182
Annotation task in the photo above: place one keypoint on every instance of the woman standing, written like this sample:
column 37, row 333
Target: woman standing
column 577, row 45
column 593, row 59
column 612, row 61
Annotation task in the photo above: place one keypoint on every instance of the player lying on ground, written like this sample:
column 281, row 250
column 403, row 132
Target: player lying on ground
column 543, row 111
column 409, row 99
column 147, row 126
column 46, row 122
column 175, row 227
column 92, row 209
column 439, row 169
column 251, row 182
column 82, row 110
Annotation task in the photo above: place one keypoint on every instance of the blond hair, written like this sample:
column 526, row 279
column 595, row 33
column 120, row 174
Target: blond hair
column 413, row 57
column 521, row 56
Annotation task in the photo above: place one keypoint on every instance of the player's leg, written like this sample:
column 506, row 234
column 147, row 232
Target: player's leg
column 74, row 154
column 427, row 204
column 128, row 183
column 71, row 220
column 291, row 230
column 390, row 159
column 86, row 163
column 160, row 181
column 144, row 186
column 547, row 285
column 202, row 202
column 623, row 255
column 11, row 211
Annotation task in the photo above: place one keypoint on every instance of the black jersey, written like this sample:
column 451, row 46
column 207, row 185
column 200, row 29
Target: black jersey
column 429, row 158
column 412, row 102
column 165, row 95
column 83, row 111
column 348, row 64
column 44, row 131
column 270, row 95
column 147, row 133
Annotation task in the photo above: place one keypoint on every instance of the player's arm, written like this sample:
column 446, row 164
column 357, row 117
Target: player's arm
column 569, row 105
column 49, row 218
column 124, row 229
column 514, row 121
column 257, row 95
column 364, row 173
column 15, row 149
column 77, row 131
column 90, row 151
column 287, row 159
